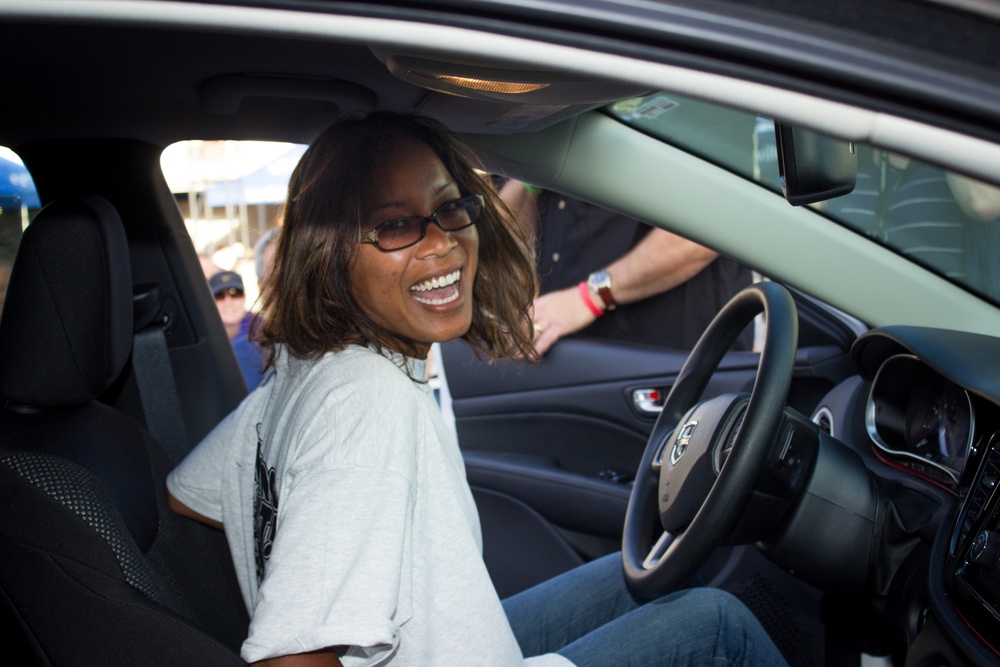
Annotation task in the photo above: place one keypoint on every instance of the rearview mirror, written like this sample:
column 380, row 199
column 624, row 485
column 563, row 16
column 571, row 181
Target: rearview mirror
column 814, row 167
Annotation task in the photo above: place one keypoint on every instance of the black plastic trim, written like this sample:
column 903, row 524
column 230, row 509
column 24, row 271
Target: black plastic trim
column 569, row 500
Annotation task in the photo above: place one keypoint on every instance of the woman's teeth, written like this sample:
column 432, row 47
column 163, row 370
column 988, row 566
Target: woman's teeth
column 437, row 284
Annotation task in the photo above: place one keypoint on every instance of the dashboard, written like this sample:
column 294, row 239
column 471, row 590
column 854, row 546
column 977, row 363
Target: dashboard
column 931, row 411
column 920, row 420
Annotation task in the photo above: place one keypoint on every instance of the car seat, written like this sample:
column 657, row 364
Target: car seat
column 94, row 567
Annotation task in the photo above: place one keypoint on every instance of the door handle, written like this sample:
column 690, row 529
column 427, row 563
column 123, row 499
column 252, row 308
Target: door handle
column 648, row 401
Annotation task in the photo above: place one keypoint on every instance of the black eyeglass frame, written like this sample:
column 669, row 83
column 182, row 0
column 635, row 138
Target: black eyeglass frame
column 371, row 236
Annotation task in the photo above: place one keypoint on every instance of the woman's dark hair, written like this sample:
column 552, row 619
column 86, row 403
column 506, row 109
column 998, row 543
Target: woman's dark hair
column 307, row 301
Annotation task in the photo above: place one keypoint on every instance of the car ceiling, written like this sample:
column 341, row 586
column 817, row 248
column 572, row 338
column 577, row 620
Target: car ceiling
column 77, row 56
column 292, row 85
column 165, row 73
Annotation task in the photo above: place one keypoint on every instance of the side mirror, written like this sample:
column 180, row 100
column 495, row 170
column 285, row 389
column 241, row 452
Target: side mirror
column 814, row 167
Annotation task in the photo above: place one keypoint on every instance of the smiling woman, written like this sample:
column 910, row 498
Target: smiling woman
column 392, row 242
column 348, row 324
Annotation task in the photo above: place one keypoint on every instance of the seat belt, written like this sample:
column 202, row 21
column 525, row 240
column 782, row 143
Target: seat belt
column 161, row 406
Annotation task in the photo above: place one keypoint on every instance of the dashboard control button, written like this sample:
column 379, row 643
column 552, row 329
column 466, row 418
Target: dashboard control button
column 985, row 549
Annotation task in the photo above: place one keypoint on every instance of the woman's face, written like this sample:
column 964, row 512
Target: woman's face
column 395, row 288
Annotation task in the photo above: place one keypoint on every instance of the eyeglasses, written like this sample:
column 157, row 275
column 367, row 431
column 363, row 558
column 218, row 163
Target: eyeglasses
column 232, row 292
column 403, row 232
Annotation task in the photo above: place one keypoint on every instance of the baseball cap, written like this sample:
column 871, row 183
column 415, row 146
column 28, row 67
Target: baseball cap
column 223, row 280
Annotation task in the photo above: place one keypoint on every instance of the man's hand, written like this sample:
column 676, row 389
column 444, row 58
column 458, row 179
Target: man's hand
column 559, row 314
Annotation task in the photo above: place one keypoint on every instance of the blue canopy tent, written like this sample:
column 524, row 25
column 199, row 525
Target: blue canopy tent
column 16, row 186
column 265, row 185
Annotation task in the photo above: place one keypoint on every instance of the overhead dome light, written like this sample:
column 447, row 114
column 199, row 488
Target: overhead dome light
column 496, row 81
column 486, row 85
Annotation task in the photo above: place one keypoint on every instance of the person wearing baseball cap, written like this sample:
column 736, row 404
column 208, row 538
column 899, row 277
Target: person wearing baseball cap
column 230, row 299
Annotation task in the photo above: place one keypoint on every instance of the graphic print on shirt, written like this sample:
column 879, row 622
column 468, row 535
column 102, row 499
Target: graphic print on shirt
column 265, row 511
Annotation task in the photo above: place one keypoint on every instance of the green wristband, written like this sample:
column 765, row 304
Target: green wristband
column 532, row 189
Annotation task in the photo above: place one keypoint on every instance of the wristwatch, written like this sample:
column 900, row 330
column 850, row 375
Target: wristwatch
column 600, row 282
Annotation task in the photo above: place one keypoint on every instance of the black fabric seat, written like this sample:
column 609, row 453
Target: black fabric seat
column 94, row 567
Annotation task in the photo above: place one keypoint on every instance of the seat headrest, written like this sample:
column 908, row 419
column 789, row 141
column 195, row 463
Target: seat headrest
column 65, row 331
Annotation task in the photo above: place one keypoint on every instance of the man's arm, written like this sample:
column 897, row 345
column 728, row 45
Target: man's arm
column 659, row 262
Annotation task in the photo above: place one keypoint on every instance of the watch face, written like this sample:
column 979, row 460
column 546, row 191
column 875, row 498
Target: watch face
column 600, row 282
column 599, row 279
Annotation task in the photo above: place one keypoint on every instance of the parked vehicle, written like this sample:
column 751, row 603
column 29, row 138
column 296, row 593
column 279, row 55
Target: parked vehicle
column 840, row 478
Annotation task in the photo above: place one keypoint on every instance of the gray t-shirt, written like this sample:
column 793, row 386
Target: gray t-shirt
column 350, row 519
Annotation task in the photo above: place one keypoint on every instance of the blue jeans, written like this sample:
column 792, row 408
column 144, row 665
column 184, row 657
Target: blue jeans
column 588, row 616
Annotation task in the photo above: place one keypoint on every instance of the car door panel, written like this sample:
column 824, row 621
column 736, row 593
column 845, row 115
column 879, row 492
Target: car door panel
column 575, row 407
column 551, row 448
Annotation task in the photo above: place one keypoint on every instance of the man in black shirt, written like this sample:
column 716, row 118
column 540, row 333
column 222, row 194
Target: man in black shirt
column 604, row 275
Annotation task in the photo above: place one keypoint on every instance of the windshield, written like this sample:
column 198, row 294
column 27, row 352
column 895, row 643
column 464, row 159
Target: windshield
column 944, row 221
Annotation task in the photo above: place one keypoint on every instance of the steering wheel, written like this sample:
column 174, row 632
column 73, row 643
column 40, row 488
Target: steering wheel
column 703, row 458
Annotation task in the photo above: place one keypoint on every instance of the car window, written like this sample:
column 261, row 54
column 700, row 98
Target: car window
column 230, row 194
column 18, row 203
column 939, row 219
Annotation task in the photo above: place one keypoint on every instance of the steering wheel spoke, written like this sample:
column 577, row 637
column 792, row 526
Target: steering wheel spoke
column 657, row 461
column 659, row 549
